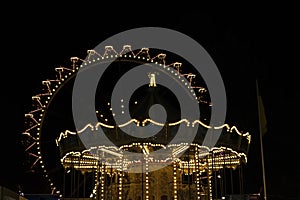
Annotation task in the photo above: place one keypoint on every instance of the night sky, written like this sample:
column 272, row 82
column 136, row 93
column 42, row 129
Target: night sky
column 244, row 44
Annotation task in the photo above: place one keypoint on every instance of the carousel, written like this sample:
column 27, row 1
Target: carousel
column 137, row 146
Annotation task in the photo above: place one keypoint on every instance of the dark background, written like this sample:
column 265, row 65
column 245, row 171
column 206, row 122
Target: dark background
column 246, row 42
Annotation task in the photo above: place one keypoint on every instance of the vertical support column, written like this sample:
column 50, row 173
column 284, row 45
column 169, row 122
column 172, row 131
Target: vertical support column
column 120, row 182
column 111, row 185
column 224, row 173
column 189, row 176
column 147, row 176
column 96, row 193
column 102, row 181
column 197, row 166
column 175, row 179
column 121, row 179
column 209, row 174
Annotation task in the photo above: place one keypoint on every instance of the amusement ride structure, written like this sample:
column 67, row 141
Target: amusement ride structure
column 106, row 159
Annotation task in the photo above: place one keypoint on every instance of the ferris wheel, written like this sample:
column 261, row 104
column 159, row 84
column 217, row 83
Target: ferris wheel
column 96, row 156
